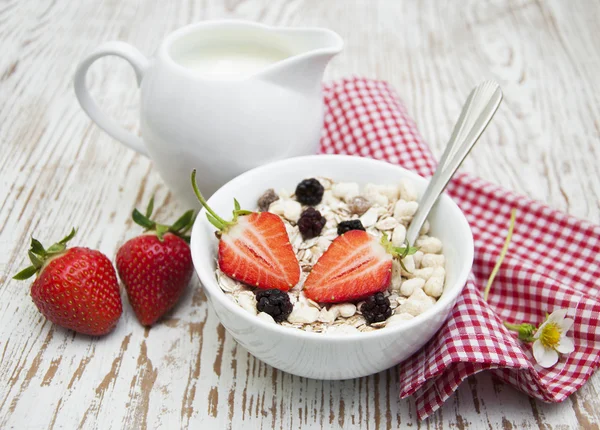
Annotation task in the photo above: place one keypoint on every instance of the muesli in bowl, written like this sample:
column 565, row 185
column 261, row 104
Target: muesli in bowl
column 324, row 355
column 330, row 257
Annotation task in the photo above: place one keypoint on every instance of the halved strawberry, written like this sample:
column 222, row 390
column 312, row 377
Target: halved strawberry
column 254, row 248
column 356, row 265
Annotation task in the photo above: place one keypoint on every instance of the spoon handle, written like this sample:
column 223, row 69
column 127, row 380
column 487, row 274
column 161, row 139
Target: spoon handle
column 480, row 107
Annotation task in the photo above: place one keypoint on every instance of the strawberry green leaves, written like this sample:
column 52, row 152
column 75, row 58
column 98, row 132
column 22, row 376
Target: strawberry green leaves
column 38, row 255
column 26, row 273
column 179, row 228
column 398, row 252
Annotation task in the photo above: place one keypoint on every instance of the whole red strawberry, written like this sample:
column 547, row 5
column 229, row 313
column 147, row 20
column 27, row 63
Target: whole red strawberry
column 75, row 288
column 156, row 266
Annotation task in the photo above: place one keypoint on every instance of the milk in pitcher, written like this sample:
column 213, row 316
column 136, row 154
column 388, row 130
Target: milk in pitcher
column 231, row 61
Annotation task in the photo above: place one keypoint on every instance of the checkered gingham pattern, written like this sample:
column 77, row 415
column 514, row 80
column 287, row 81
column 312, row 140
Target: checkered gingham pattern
column 553, row 262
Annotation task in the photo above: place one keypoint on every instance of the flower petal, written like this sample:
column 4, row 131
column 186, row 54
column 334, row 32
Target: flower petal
column 558, row 315
column 538, row 350
column 565, row 325
column 566, row 345
column 545, row 357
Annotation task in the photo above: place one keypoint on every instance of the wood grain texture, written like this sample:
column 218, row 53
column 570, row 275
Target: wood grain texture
column 57, row 169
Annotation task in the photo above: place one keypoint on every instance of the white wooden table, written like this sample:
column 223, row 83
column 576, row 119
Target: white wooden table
column 58, row 169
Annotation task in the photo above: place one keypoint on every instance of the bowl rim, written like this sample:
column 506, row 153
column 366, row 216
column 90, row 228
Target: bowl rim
column 207, row 276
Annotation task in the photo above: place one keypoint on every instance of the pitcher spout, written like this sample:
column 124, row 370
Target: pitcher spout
column 310, row 50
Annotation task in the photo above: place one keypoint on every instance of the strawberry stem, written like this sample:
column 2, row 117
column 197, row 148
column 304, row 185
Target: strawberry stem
column 511, row 226
column 211, row 215
column 161, row 230
column 203, row 202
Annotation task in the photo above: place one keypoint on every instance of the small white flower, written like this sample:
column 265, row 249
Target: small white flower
column 551, row 339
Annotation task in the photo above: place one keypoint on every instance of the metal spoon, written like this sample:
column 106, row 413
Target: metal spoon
column 476, row 114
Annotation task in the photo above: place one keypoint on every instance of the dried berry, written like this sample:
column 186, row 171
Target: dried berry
column 345, row 226
column 358, row 205
column 311, row 223
column 309, row 192
column 266, row 199
column 376, row 308
column 275, row 303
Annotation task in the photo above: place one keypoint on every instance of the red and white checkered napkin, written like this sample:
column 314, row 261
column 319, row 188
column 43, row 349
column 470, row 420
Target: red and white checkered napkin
column 553, row 262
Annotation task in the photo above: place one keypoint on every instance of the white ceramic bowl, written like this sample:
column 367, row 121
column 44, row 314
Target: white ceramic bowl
column 327, row 356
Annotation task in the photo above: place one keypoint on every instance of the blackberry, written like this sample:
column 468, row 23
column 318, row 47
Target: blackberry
column 275, row 303
column 309, row 192
column 345, row 226
column 376, row 308
column 311, row 223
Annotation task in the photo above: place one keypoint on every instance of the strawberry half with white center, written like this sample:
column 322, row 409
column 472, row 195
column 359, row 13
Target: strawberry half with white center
column 75, row 288
column 254, row 248
column 356, row 265
column 156, row 267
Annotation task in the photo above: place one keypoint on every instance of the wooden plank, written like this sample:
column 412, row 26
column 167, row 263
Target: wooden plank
column 58, row 169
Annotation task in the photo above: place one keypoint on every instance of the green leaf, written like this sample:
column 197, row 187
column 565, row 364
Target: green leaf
column 236, row 204
column 37, row 247
column 190, row 225
column 182, row 222
column 218, row 224
column 26, row 273
column 401, row 252
column 150, row 207
column 161, row 230
column 405, row 251
column 56, row 248
column 142, row 220
column 68, row 237
column 35, row 260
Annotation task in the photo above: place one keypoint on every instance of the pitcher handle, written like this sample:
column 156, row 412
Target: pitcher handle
column 139, row 63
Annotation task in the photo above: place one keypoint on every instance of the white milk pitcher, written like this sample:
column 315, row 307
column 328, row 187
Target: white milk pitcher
column 222, row 97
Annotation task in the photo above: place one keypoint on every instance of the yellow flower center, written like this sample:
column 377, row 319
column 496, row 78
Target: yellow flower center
column 550, row 335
